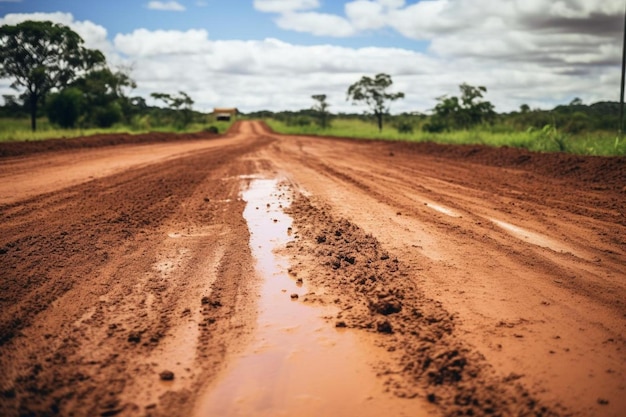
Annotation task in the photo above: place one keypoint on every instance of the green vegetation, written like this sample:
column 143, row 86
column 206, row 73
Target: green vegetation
column 69, row 91
column 321, row 109
column 548, row 139
column 461, row 113
column 18, row 129
column 42, row 56
column 469, row 119
column 373, row 92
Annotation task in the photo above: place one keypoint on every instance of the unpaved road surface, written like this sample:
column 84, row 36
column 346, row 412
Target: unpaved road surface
column 444, row 280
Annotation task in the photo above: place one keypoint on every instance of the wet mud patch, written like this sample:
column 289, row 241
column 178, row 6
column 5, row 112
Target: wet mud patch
column 376, row 293
column 298, row 362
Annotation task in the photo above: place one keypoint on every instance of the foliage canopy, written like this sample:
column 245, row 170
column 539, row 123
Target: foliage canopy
column 41, row 56
column 181, row 104
column 373, row 91
column 461, row 113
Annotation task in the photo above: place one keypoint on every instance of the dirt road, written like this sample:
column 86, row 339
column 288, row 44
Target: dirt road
column 260, row 274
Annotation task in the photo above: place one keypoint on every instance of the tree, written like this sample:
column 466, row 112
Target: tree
column 180, row 104
column 576, row 102
column 42, row 56
column 322, row 109
column 463, row 112
column 475, row 109
column 374, row 93
column 104, row 100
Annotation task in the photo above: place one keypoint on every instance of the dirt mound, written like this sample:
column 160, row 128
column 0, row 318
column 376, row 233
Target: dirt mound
column 557, row 165
column 376, row 292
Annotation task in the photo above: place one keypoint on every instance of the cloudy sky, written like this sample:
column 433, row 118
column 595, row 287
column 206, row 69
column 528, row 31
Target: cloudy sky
column 275, row 54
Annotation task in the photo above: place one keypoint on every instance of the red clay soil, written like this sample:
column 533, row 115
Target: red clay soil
column 487, row 281
column 94, row 141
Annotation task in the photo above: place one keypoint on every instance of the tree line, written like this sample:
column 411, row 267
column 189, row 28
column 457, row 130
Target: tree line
column 73, row 85
column 466, row 111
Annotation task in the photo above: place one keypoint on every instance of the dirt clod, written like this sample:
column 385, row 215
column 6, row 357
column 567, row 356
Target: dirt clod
column 134, row 337
column 384, row 326
column 166, row 375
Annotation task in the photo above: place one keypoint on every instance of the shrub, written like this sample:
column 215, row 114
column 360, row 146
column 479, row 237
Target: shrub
column 435, row 125
column 107, row 116
column 63, row 108
column 299, row 121
column 404, row 126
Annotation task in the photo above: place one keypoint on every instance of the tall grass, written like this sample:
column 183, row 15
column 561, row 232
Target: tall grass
column 12, row 129
column 548, row 139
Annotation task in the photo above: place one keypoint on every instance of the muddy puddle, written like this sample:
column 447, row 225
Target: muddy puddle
column 298, row 363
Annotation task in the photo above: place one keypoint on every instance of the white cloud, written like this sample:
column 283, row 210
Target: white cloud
column 529, row 29
column 319, row 24
column 143, row 43
column 285, row 6
column 366, row 15
column 171, row 6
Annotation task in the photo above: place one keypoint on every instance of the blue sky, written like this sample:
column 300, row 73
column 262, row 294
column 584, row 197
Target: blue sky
column 234, row 19
column 275, row 54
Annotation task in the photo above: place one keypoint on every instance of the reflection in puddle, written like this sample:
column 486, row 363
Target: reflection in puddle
column 298, row 364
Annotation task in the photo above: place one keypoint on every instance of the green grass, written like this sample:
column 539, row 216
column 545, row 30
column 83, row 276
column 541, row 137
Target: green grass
column 12, row 130
column 546, row 140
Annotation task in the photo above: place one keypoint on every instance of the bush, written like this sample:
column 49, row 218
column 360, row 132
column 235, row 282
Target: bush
column 138, row 122
column 63, row 108
column 435, row 125
column 299, row 121
column 107, row 116
column 212, row 129
column 404, row 126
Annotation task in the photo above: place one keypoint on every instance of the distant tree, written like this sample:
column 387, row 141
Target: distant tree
column 180, row 104
column 373, row 91
column 42, row 56
column 461, row 113
column 576, row 102
column 476, row 110
column 524, row 108
column 105, row 101
column 322, row 109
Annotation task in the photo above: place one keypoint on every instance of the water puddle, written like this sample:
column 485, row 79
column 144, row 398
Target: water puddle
column 442, row 209
column 298, row 363
column 533, row 238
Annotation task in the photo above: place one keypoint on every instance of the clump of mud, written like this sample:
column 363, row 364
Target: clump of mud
column 376, row 293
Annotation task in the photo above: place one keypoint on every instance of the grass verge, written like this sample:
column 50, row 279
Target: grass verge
column 543, row 140
column 15, row 130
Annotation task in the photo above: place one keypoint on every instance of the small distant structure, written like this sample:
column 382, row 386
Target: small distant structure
column 225, row 113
